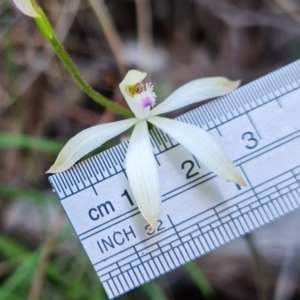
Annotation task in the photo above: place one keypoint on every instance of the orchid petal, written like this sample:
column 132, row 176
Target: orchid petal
column 195, row 91
column 142, row 173
column 26, row 7
column 134, row 77
column 86, row 141
column 199, row 143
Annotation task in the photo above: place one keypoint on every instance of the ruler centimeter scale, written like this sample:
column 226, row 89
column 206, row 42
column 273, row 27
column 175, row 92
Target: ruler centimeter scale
column 258, row 126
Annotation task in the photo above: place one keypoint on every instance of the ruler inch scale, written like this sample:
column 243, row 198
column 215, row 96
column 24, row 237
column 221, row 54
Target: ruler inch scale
column 258, row 126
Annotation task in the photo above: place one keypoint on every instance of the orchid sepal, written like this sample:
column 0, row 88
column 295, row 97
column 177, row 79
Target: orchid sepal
column 142, row 173
column 194, row 92
column 86, row 141
column 199, row 143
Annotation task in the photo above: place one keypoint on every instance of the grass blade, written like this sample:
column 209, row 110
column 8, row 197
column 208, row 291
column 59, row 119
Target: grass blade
column 8, row 140
column 199, row 279
column 32, row 196
column 154, row 291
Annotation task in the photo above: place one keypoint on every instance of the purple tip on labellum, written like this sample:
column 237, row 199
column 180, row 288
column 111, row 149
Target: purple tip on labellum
column 148, row 101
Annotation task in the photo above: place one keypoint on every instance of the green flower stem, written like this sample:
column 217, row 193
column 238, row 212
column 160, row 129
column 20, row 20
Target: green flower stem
column 62, row 54
column 49, row 33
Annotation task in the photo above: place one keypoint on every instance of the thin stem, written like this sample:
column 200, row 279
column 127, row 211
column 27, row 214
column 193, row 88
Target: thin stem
column 50, row 244
column 144, row 25
column 48, row 31
column 62, row 54
column 259, row 268
column 109, row 29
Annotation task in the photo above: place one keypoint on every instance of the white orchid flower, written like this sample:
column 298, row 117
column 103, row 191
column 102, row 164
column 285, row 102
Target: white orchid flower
column 141, row 166
column 26, row 7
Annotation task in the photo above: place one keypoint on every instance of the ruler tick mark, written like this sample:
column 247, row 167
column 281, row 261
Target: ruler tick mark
column 278, row 101
column 253, row 125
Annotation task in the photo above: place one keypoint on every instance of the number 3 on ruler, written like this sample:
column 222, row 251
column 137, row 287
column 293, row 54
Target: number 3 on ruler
column 249, row 136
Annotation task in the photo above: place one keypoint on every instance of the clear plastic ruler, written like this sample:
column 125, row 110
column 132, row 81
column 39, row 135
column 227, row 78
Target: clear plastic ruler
column 258, row 126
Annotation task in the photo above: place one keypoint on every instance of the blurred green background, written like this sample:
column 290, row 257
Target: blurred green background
column 41, row 107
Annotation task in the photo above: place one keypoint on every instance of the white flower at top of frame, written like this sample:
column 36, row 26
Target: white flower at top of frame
column 141, row 166
column 26, row 7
